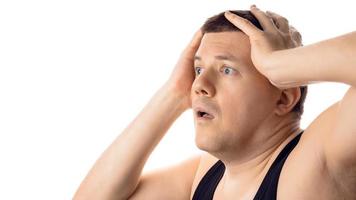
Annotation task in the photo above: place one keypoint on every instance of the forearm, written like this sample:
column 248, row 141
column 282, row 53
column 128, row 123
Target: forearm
column 329, row 60
column 116, row 173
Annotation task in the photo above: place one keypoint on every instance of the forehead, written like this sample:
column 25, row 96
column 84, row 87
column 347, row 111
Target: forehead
column 235, row 43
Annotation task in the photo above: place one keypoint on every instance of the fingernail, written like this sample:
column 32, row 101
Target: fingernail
column 254, row 6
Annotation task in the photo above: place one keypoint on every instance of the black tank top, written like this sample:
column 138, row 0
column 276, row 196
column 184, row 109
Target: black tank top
column 268, row 187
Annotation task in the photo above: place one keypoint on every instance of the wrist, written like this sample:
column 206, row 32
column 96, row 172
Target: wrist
column 178, row 100
column 272, row 68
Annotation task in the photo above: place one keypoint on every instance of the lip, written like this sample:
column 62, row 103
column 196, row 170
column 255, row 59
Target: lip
column 203, row 108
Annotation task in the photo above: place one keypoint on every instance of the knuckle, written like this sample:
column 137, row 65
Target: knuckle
column 245, row 22
column 261, row 34
column 298, row 36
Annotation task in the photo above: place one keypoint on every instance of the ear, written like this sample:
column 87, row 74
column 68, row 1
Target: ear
column 287, row 100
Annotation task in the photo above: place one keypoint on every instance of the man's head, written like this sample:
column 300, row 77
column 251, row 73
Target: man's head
column 242, row 100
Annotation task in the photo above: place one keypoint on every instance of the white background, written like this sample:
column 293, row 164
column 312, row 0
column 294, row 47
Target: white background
column 73, row 74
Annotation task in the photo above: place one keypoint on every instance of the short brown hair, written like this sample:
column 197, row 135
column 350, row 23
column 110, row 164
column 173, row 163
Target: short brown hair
column 219, row 23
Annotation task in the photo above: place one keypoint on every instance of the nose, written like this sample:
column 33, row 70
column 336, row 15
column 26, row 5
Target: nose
column 202, row 86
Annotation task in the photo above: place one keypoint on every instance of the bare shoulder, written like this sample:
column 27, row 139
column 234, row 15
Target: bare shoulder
column 173, row 182
column 333, row 134
column 306, row 166
column 206, row 162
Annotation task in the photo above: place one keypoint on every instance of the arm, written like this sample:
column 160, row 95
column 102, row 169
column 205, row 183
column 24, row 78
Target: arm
column 330, row 60
column 118, row 170
column 275, row 54
column 117, row 173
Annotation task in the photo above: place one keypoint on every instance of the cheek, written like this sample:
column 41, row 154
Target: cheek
column 242, row 108
column 237, row 98
column 235, row 109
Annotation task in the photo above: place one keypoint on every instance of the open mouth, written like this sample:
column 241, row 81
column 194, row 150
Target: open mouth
column 205, row 115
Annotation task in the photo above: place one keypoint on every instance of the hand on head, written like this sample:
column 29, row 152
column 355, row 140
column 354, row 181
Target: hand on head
column 183, row 75
column 276, row 35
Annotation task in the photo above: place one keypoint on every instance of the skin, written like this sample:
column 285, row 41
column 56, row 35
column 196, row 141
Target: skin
column 246, row 135
column 328, row 143
column 246, row 132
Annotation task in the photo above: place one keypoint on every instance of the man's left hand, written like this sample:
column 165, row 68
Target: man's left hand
column 276, row 35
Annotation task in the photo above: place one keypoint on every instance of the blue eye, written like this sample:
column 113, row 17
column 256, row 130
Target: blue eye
column 197, row 69
column 226, row 69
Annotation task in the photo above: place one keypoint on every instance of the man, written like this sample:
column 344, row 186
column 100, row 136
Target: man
column 246, row 95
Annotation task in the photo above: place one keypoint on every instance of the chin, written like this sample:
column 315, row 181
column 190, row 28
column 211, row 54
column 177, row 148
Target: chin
column 201, row 141
column 205, row 142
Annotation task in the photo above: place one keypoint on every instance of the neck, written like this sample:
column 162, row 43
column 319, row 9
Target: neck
column 246, row 173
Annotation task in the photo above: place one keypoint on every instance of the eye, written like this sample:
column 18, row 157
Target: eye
column 197, row 70
column 228, row 69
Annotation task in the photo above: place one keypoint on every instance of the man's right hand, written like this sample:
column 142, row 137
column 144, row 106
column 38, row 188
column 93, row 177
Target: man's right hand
column 183, row 75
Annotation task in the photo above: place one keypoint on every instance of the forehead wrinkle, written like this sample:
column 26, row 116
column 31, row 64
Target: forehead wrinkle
column 224, row 56
column 223, row 46
column 221, row 54
column 225, row 43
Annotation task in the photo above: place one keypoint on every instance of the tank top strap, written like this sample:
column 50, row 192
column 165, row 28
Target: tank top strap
column 268, row 187
column 208, row 184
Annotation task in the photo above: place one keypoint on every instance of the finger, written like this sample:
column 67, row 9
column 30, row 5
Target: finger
column 265, row 21
column 278, row 16
column 194, row 43
column 281, row 22
column 245, row 25
column 293, row 30
column 273, row 19
column 297, row 37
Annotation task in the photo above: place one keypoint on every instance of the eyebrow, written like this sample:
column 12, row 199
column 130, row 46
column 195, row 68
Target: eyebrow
column 228, row 57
